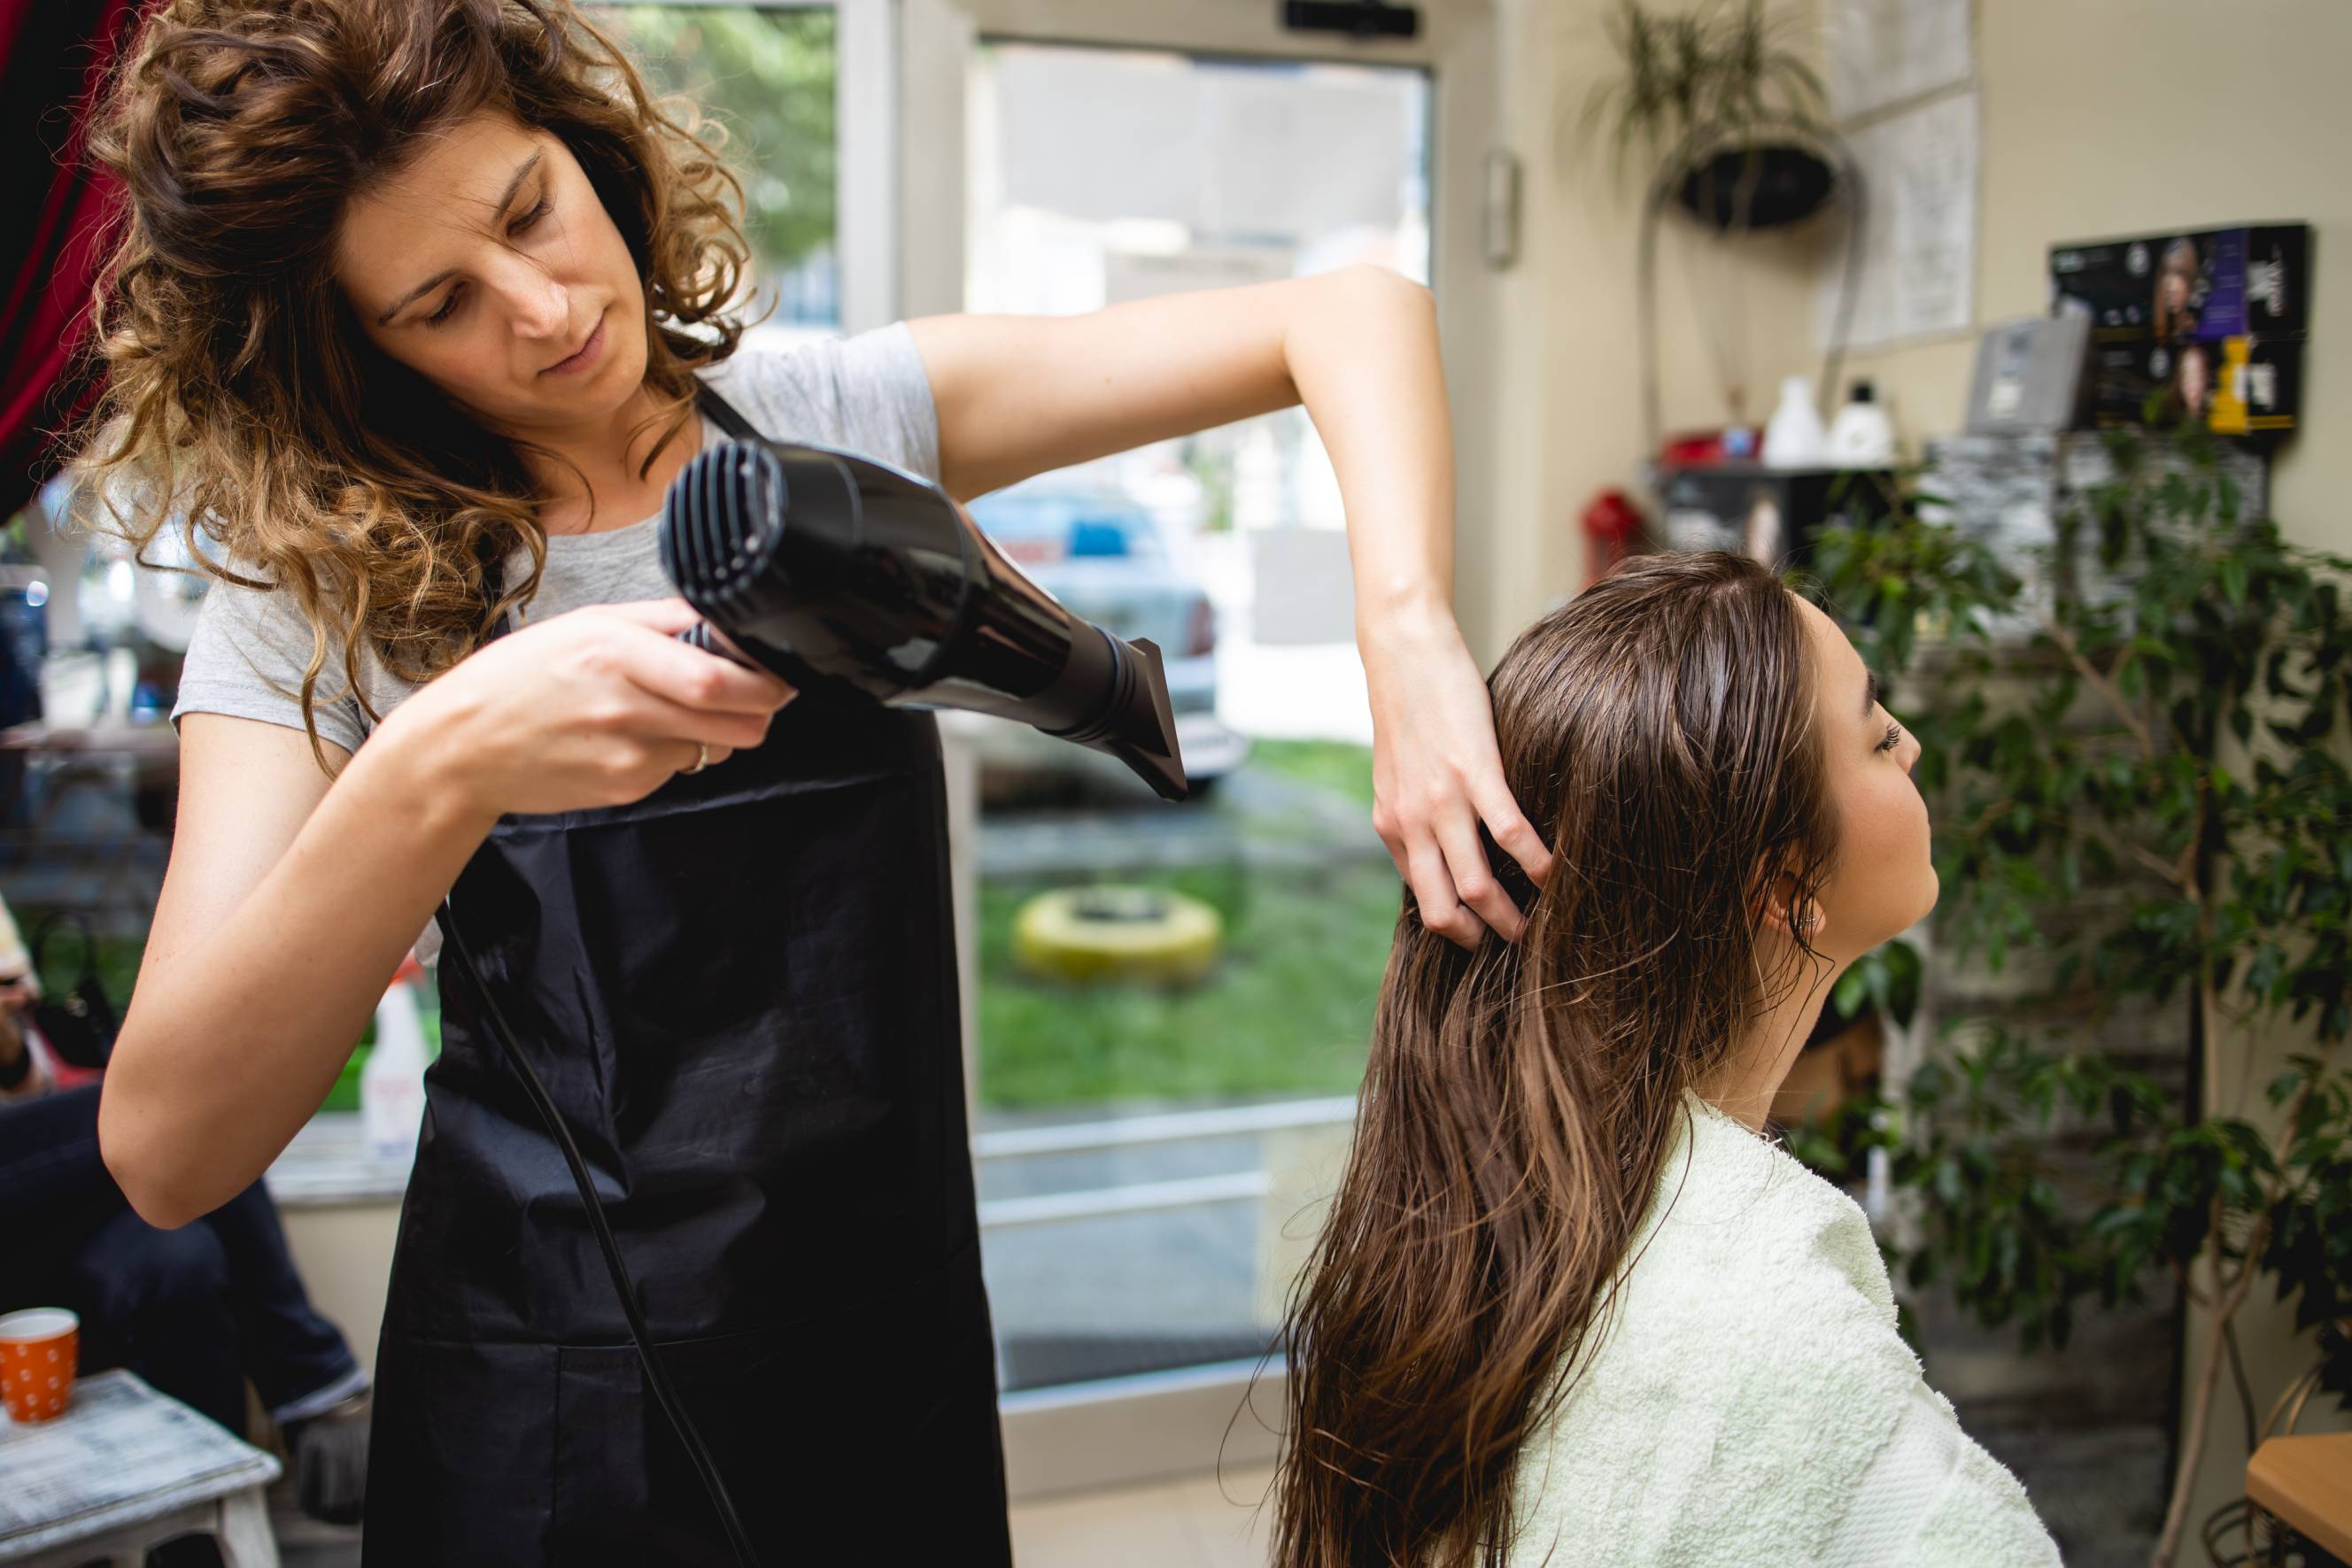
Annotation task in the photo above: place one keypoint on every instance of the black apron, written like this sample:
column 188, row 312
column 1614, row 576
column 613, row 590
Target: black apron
column 740, row 992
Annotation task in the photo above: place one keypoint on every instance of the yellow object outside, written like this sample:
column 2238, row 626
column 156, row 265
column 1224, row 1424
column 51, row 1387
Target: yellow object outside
column 1117, row 933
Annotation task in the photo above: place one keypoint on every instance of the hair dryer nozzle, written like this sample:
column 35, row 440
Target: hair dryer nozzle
column 826, row 566
column 1134, row 723
column 1151, row 754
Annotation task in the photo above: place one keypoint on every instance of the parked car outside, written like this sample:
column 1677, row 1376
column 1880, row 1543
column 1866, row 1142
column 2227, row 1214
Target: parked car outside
column 1105, row 557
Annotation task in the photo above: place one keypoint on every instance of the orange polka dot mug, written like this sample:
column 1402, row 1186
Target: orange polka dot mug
column 38, row 1349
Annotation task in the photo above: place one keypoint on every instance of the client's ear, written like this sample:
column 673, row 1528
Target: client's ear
column 1788, row 909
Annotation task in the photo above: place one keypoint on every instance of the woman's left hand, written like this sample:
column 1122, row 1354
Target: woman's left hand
column 1437, row 774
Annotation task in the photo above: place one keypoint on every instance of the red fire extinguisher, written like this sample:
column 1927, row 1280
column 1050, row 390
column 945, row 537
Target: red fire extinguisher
column 1611, row 524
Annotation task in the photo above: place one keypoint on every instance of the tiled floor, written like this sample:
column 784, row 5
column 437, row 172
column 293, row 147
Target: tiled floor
column 1206, row 1522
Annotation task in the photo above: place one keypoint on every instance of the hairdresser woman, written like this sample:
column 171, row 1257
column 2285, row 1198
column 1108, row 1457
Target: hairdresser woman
column 421, row 306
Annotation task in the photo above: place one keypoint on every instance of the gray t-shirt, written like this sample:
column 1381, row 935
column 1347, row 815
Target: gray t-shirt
column 866, row 394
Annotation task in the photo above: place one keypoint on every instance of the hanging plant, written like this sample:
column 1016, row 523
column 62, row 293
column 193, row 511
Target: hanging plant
column 1726, row 113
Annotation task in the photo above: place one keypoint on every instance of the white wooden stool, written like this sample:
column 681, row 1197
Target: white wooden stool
column 126, row 1468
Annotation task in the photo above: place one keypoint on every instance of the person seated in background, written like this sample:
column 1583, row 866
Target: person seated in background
column 195, row 1312
column 1572, row 1304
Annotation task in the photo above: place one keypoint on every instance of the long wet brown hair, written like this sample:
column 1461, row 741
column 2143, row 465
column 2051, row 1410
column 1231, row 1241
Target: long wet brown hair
column 240, row 397
column 1521, row 1098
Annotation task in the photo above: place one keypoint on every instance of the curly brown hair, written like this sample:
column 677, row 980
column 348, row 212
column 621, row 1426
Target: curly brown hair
column 241, row 397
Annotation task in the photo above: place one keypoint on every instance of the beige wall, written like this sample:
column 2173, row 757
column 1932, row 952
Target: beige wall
column 2099, row 117
column 2105, row 117
column 1565, row 356
column 343, row 1252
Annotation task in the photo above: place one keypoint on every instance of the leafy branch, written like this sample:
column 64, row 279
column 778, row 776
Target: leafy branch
column 2135, row 753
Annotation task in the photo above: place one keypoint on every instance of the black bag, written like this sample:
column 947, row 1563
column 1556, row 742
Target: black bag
column 79, row 1024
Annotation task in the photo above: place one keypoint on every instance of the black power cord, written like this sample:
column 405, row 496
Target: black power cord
column 665, row 1394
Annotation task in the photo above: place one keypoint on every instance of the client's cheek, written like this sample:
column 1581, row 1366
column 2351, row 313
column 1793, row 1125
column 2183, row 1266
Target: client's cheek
column 1918, row 850
column 1890, row 832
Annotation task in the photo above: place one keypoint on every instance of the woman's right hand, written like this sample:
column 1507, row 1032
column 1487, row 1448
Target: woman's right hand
column 594, row 707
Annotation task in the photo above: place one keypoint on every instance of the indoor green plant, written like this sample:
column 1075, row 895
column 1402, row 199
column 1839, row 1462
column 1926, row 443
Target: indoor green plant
column 2164, row 723
column 1717, row 99
column 1726, row 115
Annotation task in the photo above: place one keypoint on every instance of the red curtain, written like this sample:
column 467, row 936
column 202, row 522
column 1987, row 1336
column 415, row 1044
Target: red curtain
column 53, row 213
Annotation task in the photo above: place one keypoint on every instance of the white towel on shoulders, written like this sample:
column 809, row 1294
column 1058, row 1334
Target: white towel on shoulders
column 1751, row 1403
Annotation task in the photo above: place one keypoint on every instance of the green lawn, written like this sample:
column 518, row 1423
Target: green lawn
column 1288, row 1010
column 118, row 967
column 1333, row 764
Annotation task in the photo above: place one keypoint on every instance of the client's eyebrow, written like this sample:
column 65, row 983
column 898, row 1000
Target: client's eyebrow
column 1869, row 694
column 439, row 278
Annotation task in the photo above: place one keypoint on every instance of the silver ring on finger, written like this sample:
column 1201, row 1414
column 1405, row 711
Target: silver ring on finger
column 701, row 758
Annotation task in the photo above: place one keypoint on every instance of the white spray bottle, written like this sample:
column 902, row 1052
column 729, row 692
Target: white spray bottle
column 1794, row 438
column 392, row 1084
column 1861, row 436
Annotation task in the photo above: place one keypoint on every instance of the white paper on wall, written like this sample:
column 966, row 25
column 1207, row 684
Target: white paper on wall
column 1885, row 52
column 1920, row 248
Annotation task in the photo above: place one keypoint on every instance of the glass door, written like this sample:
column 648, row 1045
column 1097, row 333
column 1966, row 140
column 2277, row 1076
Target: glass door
column 1170, row 1006
column 1130, row 1113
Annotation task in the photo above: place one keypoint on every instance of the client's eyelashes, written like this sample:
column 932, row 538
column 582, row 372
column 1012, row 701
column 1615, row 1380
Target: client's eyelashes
column 1892, row 739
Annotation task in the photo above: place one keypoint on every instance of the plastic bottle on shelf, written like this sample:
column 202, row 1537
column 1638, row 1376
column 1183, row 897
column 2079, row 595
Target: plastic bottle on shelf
column 1862, row 436
column 1793, row 439
column 392, row 1084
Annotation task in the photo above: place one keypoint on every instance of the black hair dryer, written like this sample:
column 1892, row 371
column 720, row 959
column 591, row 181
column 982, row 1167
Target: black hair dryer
column 823, row 566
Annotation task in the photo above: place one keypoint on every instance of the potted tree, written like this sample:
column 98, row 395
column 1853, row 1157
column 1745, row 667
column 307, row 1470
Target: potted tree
column 2146, row 789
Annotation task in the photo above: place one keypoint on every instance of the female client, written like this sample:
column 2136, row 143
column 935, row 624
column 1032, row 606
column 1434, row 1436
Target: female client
column 1572, row 1304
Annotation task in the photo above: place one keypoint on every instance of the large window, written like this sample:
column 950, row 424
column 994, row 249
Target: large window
column 1150, row 1140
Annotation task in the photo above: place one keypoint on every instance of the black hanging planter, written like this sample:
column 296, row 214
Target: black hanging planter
column 1784, row 185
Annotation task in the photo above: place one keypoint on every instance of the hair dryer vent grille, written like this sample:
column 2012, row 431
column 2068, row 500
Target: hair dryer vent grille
column 717, row 533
